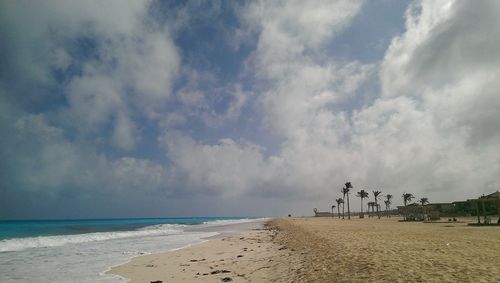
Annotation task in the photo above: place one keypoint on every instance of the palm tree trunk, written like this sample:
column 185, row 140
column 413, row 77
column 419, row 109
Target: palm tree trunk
column 378, row 213
column 338, row 210
column 343, row 207
column 404, row 213
column 348, row 208
column 477, row 212
column 482, row 205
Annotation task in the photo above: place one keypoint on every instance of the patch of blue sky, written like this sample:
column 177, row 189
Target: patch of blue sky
column 147, row 146
column 207, row 48
column 206, row 41
column 80, row 49
column 370, row 32
column 366, row 41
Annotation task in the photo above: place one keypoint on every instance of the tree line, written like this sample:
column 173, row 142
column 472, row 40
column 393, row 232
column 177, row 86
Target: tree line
column 374, row 205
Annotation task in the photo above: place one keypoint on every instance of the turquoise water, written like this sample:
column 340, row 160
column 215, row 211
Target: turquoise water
column 35, row 228
column 82, row 250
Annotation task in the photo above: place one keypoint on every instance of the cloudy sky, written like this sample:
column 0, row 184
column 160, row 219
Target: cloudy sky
column 261, row 108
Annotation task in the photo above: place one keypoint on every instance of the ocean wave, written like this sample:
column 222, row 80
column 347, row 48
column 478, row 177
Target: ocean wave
column 223, row 222
column 18, row 244
column 163, row 227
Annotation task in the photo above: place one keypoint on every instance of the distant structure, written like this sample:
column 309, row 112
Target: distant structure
column 321, row 213
column 371, row 208
column 485, row 205
column 413, row 212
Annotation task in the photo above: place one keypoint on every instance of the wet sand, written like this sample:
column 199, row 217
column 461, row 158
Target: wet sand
column 250, row 256
column 332, row 250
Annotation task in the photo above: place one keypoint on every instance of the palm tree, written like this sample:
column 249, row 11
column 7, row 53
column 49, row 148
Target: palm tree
column 407, row 197
column 371, row 205
column 343, row 202
column 386, row 207
column 362, row 194
column 376, row 196
column 346, row 190
column 333, row 206
column 339, row 202
column 423, row 202
column 388, row 204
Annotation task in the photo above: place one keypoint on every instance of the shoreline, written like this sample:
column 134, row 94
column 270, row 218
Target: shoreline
column 220, row 230
column 251, row 255
column 331, row 250
column 89, row 256
column 107, row 272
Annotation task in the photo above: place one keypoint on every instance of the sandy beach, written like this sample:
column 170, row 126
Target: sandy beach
column 332, row 250
column 245, row 256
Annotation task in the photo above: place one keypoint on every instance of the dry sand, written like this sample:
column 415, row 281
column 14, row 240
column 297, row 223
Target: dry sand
column 333, row 250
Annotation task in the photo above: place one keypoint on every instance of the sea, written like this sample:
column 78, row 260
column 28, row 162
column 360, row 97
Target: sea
column 83, row 250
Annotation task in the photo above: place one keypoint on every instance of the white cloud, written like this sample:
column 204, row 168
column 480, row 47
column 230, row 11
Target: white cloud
column 128, row 62
column 237, row 103
column 302, row 88
column 223, row 168
column 421, row 135
column 42, row 159
column 307, row 23
column 123, row 135
column 437, row 133
column 432, row 129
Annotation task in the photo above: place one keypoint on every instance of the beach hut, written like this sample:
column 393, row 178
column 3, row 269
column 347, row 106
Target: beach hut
column 322, row 213
column 413, row 212
column 442, row 208
column 482, row 202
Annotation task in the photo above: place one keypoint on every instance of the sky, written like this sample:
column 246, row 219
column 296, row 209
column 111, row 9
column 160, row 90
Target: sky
column 243, row 108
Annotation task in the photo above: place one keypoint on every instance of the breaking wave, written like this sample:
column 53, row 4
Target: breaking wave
column 18, row 244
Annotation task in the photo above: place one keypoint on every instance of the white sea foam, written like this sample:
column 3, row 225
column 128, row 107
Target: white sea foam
column 87, row 261
column 85, row 257
column 18, row 244
column 224, row 222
